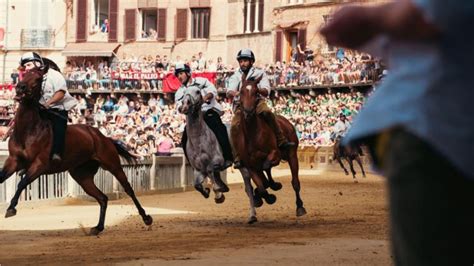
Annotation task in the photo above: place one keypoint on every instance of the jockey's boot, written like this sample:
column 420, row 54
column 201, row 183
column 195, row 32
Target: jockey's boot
column 282, row 142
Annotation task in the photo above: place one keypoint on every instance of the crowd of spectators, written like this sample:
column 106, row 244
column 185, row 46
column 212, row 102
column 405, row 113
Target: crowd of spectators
column 343, row 67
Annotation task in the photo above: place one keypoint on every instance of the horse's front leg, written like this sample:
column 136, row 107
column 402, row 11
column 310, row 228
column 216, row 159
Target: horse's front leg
column 10, row 167
column 249, row 190
column 31, row 174
column 341, row 164
column 218, row 186
column 351, row 165
column 198, row 180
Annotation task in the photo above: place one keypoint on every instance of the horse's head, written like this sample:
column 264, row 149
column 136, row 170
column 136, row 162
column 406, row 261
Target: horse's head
column 192, row 101
column 29, row 88
column 249, row 96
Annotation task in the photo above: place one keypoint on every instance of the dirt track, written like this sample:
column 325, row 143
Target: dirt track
column 346, row 224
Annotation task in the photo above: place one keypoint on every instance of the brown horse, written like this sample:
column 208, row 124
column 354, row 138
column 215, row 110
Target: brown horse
column 86, row 150
column 257, row 146
column 348, row 153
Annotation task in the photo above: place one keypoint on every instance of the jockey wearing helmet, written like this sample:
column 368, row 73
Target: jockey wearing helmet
column 211, row 108
column 55, row 98
column 246, row 59
column 341, row 126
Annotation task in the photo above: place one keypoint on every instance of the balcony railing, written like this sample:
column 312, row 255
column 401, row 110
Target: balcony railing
column 37, row 38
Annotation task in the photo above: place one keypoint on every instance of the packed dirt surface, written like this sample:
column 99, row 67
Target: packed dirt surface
column 346, row 224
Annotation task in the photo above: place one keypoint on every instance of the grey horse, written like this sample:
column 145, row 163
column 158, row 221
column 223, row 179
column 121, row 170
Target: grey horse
column 202, row 148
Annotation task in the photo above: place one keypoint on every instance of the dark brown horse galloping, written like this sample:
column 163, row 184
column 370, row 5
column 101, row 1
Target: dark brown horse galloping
column 257, row 146
column 86, row 150
column 348, row 153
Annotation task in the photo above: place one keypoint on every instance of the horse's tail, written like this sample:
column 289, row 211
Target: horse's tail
column 123, row 152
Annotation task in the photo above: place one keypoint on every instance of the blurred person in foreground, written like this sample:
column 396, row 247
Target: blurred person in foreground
column 416, row 124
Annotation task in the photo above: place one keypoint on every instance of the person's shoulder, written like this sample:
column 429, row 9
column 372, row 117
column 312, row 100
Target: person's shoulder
column 54, row 73
column 200, row 80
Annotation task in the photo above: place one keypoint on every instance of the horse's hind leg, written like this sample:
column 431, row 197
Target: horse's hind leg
column 273, row 185
column 113, row 166
column 122, row 178
column 359, row 161
column 295, row 182
column 84, row 176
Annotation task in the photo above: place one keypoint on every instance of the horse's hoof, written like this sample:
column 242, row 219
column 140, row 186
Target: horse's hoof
column 258, row 202
column 95, row 231
column 148, row 220
column 10, row 213
column 220, row 200
column 355, row 181
column 252, row 220
column 363, row 175
column 300, row 211
column 347, row 173
column 270, row 199
column 276, row 186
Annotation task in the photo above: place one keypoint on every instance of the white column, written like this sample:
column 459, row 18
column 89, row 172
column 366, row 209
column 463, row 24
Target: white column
column 247, row 25
column 256, row 16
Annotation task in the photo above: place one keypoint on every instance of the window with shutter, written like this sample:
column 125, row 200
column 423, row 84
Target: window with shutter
column 252, row 15
column 130, row 25
column 81, row 23
column 181, row 23
column 260, row 15
column 278, row 45
column 200, row 23
column 302, row 38
column 245, row 16
column 113, row 20
column 161, row 24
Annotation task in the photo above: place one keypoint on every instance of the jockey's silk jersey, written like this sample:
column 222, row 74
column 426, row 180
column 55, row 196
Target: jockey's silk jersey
column 255, row 73
column 205, row 86
column 55, row 82
column 430, row 87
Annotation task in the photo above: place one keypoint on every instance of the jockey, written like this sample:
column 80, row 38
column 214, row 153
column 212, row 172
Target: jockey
column 246, row 59
column 56, row 99
column 341, row 127
column 211, row 108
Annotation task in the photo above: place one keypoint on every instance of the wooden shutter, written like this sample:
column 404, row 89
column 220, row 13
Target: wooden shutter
column 161, row 24
column 260, row 15
column 181, row 23
column 130, row 25
column 252, row 16
column 207, row 22
column 302, row 38
column 302, row 43
column 113, row 20
column 278, row 45
column 81, row 23
column 245, row 16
